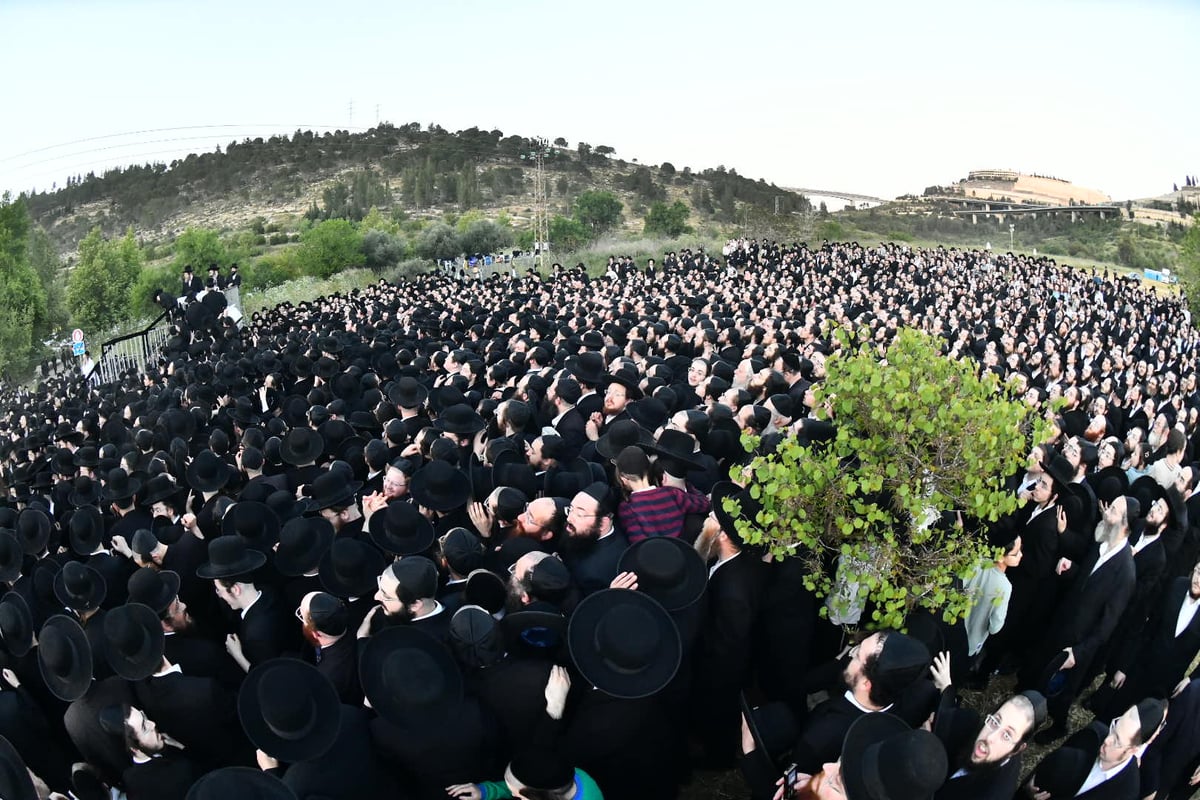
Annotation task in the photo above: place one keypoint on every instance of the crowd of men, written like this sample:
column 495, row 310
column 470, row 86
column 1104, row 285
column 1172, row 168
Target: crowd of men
column 474, row 538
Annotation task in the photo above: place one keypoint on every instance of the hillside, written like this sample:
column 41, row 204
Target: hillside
column 420, row 172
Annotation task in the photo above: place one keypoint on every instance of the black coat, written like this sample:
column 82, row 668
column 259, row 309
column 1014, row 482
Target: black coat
column 1171, row 758
column 167, row 777
column 349, row 770
column 1070, row 764
column 203, row 658
column 268, row 630
column 26, row 727
column 198, row 712
column 573, row 430
column 339, row 663
column 99, row 748
column 594, row 569
column 625, row 745
column 513, row 692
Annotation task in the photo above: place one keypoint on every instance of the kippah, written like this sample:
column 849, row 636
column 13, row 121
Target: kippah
column 1150, row 714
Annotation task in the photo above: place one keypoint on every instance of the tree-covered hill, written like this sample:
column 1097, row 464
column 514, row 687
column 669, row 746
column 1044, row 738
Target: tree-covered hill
column 408, row 167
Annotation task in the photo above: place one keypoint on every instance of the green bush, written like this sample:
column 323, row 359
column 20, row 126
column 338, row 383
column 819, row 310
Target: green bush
column 407, row 270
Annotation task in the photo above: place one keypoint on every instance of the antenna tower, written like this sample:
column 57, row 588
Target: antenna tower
column 541, row 212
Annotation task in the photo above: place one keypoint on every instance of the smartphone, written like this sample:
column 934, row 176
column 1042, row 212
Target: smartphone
column 789, row 779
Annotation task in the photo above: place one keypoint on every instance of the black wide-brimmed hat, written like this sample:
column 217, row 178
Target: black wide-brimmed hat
column 243, row 783
column 65, row 658
column 16, row 624
column 287, row 506
column 120, row 486
column 440, row 486
column 1060, row 471
column 668, row 569
column 242, row 412
column 159, row 488
column 86, row 457
column 86, row 492
column 884, row 759
column 407, row 393
column 289, row 710
column 410, row 677
column 628, row 376
column 331, row 489
column 79, row 587
column 624, row 643
column 33, row 530
column 587, row 367
column 460, row 419
column 677, row 447
column 12, row 555
column 135, row 641
column 15, row 782
column 351, row 568
column 621, row 434
column 230, row 557
column 208, row 473
column 154, row 588
column 254, row 522
column 303, row 542
column 86, row 530
column 400, row 529
column 537, row 629
column 301, row 446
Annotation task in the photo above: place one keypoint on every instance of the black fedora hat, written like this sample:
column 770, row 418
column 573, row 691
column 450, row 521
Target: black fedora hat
column 243, row 783
column 627, row 375
column 16, row 624
column 668, row 569
column 135, row 641
column 242, row 412
column 15, row 781
column 120, row 486
column 160, row 488
column 254, row 522
column 460, row 419
column 287, row 506
column 677, row 447
column 33, row 530
column 230, row 557
column 587, row 367
column 400, row 529
column 410, row 677
column 12, row 555
column 407, row 392
column 331, row 489
column 649, row 412
column 440, row 486
column 154, row 588
column 86, row 492
column 351, row 568
column 79, row 587
column 621, row 434
column 88, row 456
column 86, row 530
column 539, row 628
column 303, row 542
column 65, row 658
column 1054, row 678
column 883, row 759
column 1060, row 471
column 208, row 473
column 624, row 643
column 289, row 710
column 748, row 508
column 301, row 446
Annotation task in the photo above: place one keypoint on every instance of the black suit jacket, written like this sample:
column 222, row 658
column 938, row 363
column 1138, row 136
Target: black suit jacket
column 1070, row 764
column 268, row 630
column 203, row 658
column 595, row 569
column 339, row 663
column 1092, row 606
column 198, row 712
column 1164, row 657
column 350, row 769
column 723, row 650
column 1171, row 758
column 167, row 777
column 572, row 429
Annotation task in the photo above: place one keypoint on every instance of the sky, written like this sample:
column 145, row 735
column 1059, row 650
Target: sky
column 871, row 97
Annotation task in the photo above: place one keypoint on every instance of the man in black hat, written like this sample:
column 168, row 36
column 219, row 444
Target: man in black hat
column 564, row 419
column 266, row 630
column 592, row 546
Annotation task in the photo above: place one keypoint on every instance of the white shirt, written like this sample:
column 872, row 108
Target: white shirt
column 721, row 562
column 1145, row 542
column 1098, row 776
column 1187, row 610
column 255, row 600
column 1106, row 553
column 854, row 702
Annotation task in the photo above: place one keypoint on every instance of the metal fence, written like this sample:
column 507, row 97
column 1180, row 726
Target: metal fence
column 137, row 351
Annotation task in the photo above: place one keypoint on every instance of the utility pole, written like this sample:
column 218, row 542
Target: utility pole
column 541, row 213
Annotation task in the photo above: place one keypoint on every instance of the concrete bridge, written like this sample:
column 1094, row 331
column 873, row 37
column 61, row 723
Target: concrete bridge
column 849, row 197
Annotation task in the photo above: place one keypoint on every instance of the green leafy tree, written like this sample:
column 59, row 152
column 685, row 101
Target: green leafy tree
column 917, row 436
column 22, row 297
column 99, row 287
column 1189, row 267
column 44, row 259
column 670, row 220
column 199, row 248
column 598, row 211
column 567, row 233
column 383, row 249
column 329, row 247
column 486, row 237
column 439, row 242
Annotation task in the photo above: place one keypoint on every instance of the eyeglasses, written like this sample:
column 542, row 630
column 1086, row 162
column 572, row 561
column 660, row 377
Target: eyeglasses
column 530, row 520
column 993, row 724
column 573, row 509
column 382, row 594
column 300, row 613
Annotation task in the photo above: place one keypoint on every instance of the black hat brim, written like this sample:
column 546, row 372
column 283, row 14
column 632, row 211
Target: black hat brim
column 146, row 662
column 429, row 658
column 310, row 684
column 239, row 782
column 679, row 594
column 598, row 670
column 73, row 685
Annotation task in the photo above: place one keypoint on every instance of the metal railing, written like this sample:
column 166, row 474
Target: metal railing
column 137, row 350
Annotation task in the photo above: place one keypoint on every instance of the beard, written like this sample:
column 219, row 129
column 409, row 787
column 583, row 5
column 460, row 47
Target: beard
column 1107, row 531
column 579, row 542
column 706, row 545
column 966, row 761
